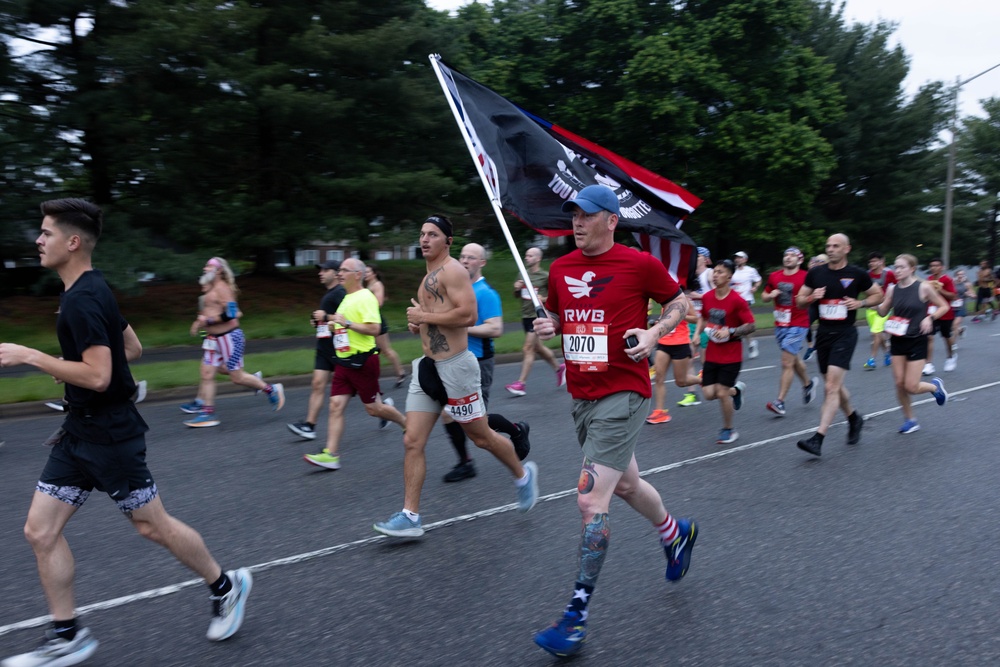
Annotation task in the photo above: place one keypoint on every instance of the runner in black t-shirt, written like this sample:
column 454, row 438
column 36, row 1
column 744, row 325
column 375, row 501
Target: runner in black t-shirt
column 325, row 355
column 102, row 443
column 836, row 288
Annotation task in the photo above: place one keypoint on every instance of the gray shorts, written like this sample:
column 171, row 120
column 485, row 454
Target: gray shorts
column 460, row 376
column 609, row 427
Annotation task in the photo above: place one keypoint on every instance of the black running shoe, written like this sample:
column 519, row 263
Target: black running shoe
column 854, row 427
column 812, row 444
column 521, row 444
column 462, row 471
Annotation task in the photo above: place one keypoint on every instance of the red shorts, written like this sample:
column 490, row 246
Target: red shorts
column 362, row 382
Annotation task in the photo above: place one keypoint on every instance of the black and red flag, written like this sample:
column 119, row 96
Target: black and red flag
column 532, row 166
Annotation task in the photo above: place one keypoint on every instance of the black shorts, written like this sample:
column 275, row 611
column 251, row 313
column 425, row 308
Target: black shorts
column 325, row 359
column 384, row 329
column 76, row 467
column 682, row 351
column 835, row 347
column 913, row 348
column 529, row 324
column 943, row 327
column 724, row 374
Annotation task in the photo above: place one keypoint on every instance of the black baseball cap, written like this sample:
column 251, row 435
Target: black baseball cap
column 331, row 264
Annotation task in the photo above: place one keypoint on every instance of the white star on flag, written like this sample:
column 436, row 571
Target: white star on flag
column 580, row 594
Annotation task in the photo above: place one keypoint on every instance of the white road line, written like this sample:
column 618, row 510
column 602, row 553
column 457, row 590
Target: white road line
column 319, row 553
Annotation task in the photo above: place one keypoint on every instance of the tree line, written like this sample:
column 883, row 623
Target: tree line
column 245, row 127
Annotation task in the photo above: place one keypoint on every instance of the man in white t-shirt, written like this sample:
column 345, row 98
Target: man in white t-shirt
column 746, row 281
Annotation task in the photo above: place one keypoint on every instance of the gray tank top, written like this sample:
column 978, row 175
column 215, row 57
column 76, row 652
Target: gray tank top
column 906, row 303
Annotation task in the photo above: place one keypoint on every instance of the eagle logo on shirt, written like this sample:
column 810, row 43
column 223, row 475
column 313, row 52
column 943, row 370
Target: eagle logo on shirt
column 586, row 286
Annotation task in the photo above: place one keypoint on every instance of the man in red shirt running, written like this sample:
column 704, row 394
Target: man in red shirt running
column 791, row 324
column 597, row 299
column 944, row 285
column 727, row 318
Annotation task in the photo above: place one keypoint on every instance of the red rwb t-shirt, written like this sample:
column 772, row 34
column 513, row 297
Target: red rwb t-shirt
column 883, row 279
column 948, row 285
column 597, row 299
column 730, row 311
column 786, row 311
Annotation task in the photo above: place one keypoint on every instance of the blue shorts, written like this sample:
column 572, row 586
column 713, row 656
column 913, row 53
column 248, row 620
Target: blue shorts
column 790, row 339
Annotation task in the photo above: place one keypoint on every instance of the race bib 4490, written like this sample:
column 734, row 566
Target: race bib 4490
column 466, row 409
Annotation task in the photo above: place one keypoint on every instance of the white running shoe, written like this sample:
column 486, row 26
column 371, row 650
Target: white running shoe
column 928, row 369
column 57, row 651
column 950, row 363
column 753, row 350
column 227, row 611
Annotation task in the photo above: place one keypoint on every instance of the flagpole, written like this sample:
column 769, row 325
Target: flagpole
column 497, row 210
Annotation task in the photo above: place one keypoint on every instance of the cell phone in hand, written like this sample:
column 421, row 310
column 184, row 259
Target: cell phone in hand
column 631, row 341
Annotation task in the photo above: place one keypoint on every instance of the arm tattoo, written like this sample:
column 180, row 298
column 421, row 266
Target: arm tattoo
column 432, row 284
column 667, row 320
column 744, row 329
column 436, row 340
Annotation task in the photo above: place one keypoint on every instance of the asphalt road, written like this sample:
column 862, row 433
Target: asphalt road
column 881, row 554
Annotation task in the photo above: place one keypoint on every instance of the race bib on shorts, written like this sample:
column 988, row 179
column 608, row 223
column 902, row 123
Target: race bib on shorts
column 210, row 344
column 897, row 326
column 832, row 309
column 340, row 340
column 586, row 345
column 323, row 331
column 958, row 303
column 466, row 409
column 782, row 316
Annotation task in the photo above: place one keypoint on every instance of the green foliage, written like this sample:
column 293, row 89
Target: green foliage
column 246, row 128
column 977, row 198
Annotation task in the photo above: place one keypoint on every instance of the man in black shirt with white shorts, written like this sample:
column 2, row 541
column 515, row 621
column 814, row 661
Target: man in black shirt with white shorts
column 101, row 444
column 836, row 286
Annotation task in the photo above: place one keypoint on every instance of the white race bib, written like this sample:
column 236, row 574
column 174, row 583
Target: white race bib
column 526, row 293
column 340, row 340
column 958, row 303
column 931, row 310
column 210, row 344
column 832, row 309
column 587, row 346
column 716, row 333
column 466, row 409
column 897, row 326
column 323, row 331
column 782, row 316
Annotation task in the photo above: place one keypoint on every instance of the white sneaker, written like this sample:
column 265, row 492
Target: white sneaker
column 928, row 369
column 382, row 423
column 753, row 350
column 950, row 363
column 227, row 611
column 56, row 651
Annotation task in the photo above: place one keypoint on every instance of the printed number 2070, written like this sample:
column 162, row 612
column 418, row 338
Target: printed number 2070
column 582, row 344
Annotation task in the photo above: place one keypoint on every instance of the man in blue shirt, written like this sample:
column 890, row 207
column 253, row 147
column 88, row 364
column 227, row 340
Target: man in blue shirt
column 489, row 325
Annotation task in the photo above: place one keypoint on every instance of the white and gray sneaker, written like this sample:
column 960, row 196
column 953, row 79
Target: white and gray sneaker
column 227, row 611
column 57, row 652
column 382, row 423
column 527, row 494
